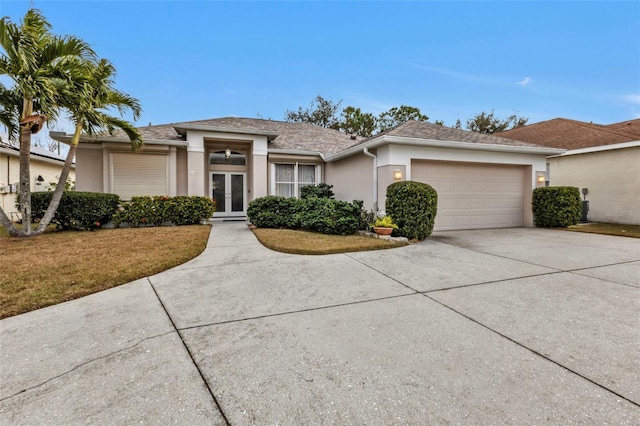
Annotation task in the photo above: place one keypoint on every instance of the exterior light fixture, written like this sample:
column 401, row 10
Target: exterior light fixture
column 541, row 179
column 227, row 153
column 397, row 175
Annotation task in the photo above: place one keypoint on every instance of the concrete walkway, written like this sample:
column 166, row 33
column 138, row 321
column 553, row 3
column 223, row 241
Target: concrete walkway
column 516, row 326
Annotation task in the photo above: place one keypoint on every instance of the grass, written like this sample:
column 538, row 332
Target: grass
column 59, row 266
column 301, row 242
column 608, row 229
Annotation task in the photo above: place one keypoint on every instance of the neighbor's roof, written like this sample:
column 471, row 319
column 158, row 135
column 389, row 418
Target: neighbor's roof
column 35, row 151
column 424, row 130
column 569, row 134
column 281, row 134
column 631, row 127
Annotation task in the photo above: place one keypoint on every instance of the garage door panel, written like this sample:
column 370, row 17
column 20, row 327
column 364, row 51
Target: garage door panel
column 473, row 195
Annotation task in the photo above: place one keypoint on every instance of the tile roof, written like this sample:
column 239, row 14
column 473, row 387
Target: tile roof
column 423, row 130
column 569, row 134
column 631, row 126
column 293, row 136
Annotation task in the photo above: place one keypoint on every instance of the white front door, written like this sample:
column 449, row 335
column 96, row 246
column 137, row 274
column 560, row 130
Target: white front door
column 228, row 189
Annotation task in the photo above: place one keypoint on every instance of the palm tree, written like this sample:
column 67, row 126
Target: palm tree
column 41, row 66
column 88, row 101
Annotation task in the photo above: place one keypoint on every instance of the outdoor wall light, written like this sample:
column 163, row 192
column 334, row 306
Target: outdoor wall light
column 227, row 153
column 541, row 179
column 397, row 175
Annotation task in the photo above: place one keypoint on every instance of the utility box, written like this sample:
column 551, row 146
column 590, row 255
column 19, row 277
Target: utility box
column 585, row 211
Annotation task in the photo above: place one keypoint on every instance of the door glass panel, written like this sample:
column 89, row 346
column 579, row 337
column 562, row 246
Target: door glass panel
column 218, row 191
column 237, row 193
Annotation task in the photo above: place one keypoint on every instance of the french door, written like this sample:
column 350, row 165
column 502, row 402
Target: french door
column 228, row 189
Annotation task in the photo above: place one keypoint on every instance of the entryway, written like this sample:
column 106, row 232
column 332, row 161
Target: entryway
column 228, row 189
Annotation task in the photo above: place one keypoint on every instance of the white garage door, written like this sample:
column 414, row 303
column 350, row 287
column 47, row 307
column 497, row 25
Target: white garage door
column 472, row 195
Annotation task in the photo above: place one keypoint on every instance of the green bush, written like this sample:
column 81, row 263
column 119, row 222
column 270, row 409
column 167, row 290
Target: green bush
column 327, row 216
column 413, row 206
column 190, row 210
column 77, row 211
column 556, row 206
column 272, row 212
column 180, row 210
column 315, row 214
column 322, row 190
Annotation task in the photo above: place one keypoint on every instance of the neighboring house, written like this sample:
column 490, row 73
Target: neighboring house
column 604, row 159
column 482, row 181
column 45, row 168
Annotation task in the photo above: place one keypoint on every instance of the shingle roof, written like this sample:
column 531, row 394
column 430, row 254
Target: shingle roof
column 423, row 130
column 568, row 134
column 631, row 127
column 293, row 136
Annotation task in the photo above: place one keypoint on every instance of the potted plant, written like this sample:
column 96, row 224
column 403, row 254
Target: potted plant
column 384, row 225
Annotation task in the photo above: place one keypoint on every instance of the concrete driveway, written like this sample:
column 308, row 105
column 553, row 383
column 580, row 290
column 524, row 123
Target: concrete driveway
column 512, row 326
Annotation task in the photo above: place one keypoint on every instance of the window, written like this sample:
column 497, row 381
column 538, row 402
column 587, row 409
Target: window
column 289, row 178
column 232, row 158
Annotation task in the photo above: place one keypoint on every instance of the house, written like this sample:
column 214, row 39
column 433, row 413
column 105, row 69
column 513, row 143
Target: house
column 483, row 181
column 604, row 160
column 45, row 168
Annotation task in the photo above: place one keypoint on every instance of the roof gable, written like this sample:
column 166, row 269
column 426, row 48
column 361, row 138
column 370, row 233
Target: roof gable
column 288, row 136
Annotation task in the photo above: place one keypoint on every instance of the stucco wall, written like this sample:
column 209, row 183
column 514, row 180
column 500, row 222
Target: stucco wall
column 10, row 173
column 612, row 178
column 352, row 179
column 89, row 168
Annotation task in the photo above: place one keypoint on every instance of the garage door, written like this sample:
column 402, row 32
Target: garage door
column 473, row 195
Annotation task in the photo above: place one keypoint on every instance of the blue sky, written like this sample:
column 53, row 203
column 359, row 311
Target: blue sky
column 188, row 60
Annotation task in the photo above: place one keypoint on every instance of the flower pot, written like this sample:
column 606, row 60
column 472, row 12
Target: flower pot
column 382, row 231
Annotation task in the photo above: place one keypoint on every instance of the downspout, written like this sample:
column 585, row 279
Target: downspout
column 365, row 151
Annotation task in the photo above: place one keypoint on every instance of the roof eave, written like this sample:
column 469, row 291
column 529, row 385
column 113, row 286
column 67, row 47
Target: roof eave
column 599, row 148
column 181, row 128
column 386, row 139
column 66, row 138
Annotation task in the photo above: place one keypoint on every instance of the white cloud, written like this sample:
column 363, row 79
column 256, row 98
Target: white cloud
column 525, row 82
column 633, row 98
column 456, row 74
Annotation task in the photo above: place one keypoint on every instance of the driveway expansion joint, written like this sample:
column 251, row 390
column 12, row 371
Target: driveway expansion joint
column 319, row 308
column 193, row 361
column 84, row 364
column 504, row 336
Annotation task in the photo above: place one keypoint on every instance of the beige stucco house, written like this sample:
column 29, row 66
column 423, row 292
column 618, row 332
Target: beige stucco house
column 482, row 181
column 602, row 159
column 45, row 168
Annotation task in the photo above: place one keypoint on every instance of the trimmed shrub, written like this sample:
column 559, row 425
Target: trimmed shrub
column 190, row 210
column 556, row 206
column 272, row 212
column 413, row 206
column 78, row 211
column 327, row 216
column 322, row 190
column 180, row 210
column 315, row 214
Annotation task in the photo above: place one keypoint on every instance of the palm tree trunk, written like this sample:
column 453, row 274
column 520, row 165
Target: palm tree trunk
column 57, row 194
column 25, row 174
column 8, row 225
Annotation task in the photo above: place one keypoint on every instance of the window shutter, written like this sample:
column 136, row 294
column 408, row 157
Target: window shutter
column 139, row 174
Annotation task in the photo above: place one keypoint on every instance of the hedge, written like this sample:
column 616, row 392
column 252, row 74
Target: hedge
column 413, row 207
column 324, row 215
column 556, row 206
column 77, row 211
column 159, row 210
